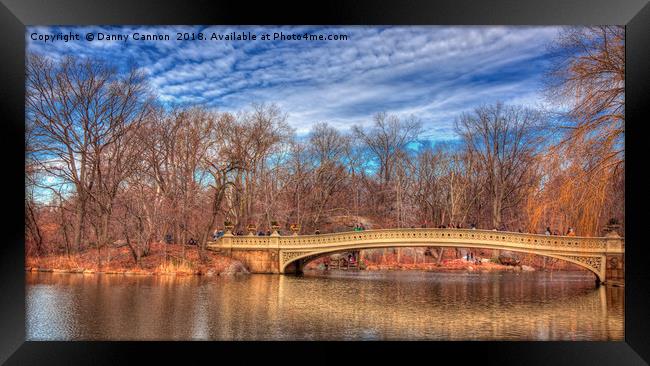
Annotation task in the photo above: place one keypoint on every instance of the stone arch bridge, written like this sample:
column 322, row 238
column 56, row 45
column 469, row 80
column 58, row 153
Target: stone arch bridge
column 604, row 256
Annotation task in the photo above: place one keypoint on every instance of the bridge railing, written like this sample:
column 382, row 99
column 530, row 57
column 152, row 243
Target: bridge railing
column 429, row 235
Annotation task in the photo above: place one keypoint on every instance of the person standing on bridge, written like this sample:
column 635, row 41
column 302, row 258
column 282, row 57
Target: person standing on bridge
column 571, row 232
column 548, row 231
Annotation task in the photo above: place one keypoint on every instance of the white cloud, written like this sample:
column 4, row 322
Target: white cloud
column 433, row 73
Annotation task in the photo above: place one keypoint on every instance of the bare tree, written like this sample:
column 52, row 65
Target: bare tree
column 327, row 147
column 505, row 141
column 386, row 141
column 78, row 109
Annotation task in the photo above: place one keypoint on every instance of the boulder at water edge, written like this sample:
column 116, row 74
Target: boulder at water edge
column 235, row 267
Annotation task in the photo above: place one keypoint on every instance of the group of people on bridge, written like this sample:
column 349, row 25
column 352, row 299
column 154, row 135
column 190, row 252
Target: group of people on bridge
column 570, row 232
column 357, row 227
column 219, row 233
column 361, row 227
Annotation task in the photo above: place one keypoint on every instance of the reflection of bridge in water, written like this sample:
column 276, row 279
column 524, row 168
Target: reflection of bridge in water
column 604, row 256
column 490, row 307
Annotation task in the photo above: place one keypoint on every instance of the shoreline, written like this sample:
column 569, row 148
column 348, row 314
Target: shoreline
column 130, row 272
column 223, row 274
column 173, row 260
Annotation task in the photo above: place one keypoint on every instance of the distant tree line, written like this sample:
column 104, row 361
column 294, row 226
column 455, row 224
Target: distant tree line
column 116, row 165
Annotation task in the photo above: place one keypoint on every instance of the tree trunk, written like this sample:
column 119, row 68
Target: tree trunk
column 440, row 254
column 79, row 224
column 496, row 213
column 217, row 199
column 36, row 232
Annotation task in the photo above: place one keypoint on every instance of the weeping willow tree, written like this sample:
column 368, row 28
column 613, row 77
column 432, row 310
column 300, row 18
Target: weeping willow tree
column 588, row 161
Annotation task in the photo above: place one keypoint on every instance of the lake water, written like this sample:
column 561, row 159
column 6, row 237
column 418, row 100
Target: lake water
column 339, row 306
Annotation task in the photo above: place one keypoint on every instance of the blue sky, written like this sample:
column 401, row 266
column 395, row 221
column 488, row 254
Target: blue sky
column 433, row 73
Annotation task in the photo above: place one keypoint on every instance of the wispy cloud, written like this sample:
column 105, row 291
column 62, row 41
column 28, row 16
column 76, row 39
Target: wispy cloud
column 433, row 73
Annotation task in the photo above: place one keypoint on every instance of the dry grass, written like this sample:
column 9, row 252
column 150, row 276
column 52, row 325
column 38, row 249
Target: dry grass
column 176, row 266
column 163, row 259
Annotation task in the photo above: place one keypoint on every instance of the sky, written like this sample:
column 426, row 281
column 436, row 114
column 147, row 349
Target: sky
column 433, row 73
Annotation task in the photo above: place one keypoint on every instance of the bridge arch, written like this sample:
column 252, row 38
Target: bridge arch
column 306, row 257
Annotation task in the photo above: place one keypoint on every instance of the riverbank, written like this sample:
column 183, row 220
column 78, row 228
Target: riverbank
column 454, row 260
column 163, row 259
column 446, row 265
column 450, row 265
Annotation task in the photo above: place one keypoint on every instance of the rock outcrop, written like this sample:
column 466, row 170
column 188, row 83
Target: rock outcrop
column 236, row 267
column 508, row 259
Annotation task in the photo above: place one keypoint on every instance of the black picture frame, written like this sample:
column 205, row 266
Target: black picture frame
column 16, row 14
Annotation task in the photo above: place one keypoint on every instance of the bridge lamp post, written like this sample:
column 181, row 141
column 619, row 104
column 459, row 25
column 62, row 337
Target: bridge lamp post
column 295, row 228
column 228, row 225
column 251, row 229
column 275, row 227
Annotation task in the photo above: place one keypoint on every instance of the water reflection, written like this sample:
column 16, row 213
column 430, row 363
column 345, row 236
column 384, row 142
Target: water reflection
column 350, row 306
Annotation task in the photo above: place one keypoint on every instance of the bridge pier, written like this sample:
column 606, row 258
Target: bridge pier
column 615, row 269
column 614, row 259
column 257, row 261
